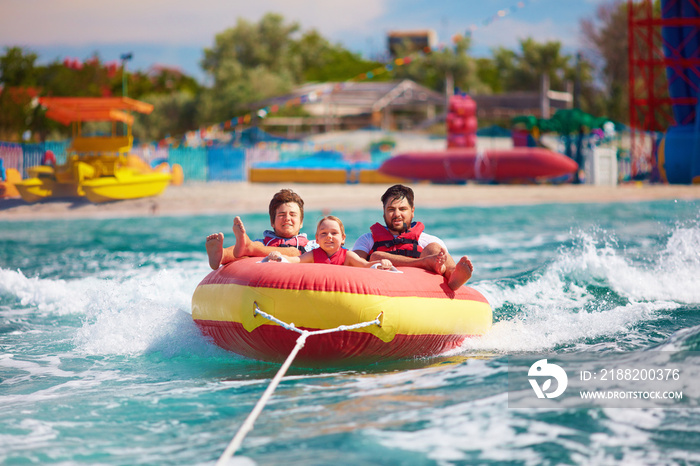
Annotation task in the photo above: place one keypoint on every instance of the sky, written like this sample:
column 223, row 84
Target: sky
column 174, row 33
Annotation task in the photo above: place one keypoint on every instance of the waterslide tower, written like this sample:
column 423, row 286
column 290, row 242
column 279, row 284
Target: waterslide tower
column 664, row 85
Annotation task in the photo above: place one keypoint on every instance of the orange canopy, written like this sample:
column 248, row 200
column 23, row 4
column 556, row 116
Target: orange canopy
column 69, row 109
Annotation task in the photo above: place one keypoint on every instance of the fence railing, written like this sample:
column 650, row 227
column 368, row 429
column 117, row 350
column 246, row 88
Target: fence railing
column 22, row 156
column 193, row 161
column 198, row 164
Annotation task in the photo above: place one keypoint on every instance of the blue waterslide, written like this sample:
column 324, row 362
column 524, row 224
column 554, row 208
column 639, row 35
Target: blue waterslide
column 679, row 159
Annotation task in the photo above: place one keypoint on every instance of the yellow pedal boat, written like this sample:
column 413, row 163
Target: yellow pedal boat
column 97, row 167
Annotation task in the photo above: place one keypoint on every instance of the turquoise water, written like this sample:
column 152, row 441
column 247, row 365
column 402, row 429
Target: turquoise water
column 100, row 362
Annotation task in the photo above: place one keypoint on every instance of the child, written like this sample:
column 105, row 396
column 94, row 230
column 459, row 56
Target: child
column 330, row 236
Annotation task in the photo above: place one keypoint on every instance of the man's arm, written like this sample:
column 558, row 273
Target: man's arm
column 432, row 258
column 361, row 254
column 363, row 246
column 428, row 262
column 429, row 259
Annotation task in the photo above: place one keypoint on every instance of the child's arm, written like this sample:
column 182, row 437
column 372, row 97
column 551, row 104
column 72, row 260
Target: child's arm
column 306, row 258
column 353, row 260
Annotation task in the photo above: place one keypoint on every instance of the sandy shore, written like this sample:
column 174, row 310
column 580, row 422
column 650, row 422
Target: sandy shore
column 237, row 198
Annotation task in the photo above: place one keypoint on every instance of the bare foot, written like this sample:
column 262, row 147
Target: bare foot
column 242, row 240
column 215, row 249
column 436, row 263
column 461, row 274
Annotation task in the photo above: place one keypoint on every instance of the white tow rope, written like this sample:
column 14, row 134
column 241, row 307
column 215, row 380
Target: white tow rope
column 250, row 420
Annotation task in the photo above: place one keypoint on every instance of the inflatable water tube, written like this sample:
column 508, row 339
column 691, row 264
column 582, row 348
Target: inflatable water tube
column 463, row 164
column 419, row 315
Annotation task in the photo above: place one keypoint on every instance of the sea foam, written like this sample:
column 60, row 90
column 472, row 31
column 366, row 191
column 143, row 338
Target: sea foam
column 592, row 289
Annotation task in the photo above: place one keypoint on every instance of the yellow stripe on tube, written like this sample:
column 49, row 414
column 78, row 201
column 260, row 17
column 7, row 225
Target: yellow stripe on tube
column 323, row 309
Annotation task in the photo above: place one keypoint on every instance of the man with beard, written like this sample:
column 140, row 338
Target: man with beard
column 403, row 241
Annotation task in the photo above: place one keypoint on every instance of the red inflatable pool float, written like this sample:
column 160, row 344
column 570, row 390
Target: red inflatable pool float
column 463, row 164
column 418, row 313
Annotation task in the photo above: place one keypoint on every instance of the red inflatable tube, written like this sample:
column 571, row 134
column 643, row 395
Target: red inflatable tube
column 463, row 164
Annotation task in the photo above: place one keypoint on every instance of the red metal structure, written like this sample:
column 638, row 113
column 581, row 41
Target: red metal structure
column 655, row 63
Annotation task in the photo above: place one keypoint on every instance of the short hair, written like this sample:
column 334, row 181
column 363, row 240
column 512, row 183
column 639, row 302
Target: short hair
column 282, row 197
column 335, row 219
column 398, row 192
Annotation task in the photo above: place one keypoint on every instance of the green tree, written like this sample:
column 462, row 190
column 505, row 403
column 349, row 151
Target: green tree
column 90, row 78
column 590, row 99
column 247, row 63
column 18, row 78
column 488, row 74
column 523, row 70
column 73, row 78
column 173, row 114
column 175, row 98
column 444, row 68
column 605, row 36
column 17, row 67
column 501, row 69
column 159, row 80
column 322, row 61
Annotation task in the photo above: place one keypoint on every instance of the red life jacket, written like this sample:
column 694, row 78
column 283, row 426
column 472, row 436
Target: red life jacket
column 320, row 257
column 406, row 244
column 298, row 241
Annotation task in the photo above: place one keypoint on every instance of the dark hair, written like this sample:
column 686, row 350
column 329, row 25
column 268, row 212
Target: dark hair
column 334, row 219
column 282, row 197
column 398, row 192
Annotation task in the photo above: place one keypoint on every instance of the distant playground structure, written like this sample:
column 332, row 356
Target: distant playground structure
column 672, row 49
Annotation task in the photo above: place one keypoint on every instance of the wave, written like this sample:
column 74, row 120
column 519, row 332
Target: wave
column 32, row 294
column 685, row 339
column 597, row 288
column 145, row 311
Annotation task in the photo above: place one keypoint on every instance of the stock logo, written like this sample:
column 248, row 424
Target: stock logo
column 542, row 368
